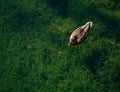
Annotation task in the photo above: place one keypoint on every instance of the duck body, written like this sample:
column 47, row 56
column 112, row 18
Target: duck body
column 79, row 34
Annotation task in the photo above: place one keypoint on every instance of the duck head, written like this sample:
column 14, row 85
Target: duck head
column 73, row 40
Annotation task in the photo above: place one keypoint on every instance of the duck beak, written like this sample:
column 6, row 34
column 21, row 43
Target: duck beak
column 69, row 43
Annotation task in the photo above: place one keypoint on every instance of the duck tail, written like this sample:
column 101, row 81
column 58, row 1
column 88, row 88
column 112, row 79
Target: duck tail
column 90, row 23
column 87, row 26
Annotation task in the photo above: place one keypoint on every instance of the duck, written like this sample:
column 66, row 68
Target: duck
column 80, row 34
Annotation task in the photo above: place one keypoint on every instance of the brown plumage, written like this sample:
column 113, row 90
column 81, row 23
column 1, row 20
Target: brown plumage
column 80, row 34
